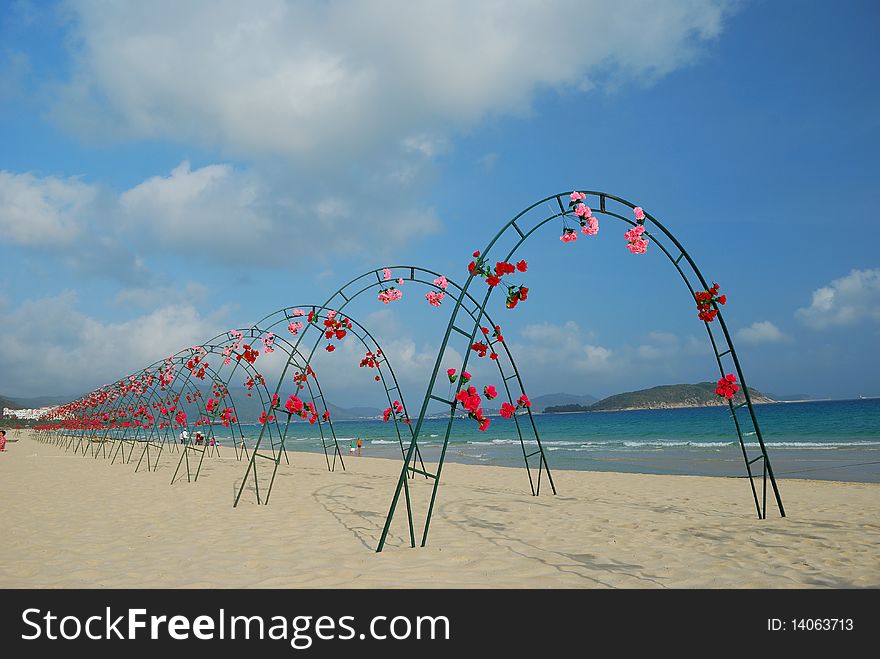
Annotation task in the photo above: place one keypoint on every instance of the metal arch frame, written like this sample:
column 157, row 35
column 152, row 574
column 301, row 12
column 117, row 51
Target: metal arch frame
column 155, row 398
column 210, row 347
column 119, row 403
column 367, row 340
column 278, row 448
column 476, row 313
column 566, row 212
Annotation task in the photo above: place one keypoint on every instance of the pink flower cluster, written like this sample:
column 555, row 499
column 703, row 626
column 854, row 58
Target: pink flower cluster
column 387, row 295
column 435, row 298
column 294, row 328
column 268, row 340
column 636, row 244
column 441, row 282
column 568, row 235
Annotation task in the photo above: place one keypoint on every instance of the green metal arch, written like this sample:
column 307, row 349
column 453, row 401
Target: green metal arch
column 611, row 206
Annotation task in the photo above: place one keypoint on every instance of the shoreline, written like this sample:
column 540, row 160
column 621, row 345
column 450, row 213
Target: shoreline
column 82, row 522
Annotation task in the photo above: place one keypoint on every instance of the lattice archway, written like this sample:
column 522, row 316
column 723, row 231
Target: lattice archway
column 519, row 229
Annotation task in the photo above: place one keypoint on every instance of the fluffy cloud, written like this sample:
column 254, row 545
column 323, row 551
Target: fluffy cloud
column 201, row 213
column 317, row 78
column 564, row 346
column 760, row 332
column 844, row 301
column 43, row 210
column 56, row 348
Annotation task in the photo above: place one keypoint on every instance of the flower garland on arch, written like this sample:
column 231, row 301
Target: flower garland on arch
column 727, row 387
column 435, row 298
column 306, row 411
column 396, row 412
column 372, row 360
column 390, row 293
column 589, row 224
column 706, row 300
column 250, row 383
column 515, row 293
column 335, row 327
column 300, row 377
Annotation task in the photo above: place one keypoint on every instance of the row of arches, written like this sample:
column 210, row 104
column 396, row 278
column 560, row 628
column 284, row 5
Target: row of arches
column 297, row 333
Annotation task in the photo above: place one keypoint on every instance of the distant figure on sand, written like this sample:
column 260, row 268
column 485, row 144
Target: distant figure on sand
column 2, row 440
column 184, row 436
column 213, row 441
column 199, row 438
column 351, row 447
column 359, row 444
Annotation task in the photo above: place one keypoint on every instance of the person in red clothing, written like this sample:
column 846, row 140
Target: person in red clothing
column 2, row 440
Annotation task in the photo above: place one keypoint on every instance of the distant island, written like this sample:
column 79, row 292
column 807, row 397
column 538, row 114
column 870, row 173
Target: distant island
column 665, row 396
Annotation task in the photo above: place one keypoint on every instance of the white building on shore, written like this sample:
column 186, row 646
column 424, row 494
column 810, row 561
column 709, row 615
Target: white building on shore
column 28, row 414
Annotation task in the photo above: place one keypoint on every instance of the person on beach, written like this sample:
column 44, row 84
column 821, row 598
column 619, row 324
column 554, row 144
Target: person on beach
column 213, row 441
column 199, row 438
column 184, row 436
column 351, row 447
column 359, row 444
column 2, row 440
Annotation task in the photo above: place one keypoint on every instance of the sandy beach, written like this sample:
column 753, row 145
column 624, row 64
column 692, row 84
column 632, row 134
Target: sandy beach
column 73, row 521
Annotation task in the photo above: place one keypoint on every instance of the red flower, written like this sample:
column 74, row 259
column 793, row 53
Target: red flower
column 523, row 401
column 727, row 386
column 492, row 280
column 507, row 410
column 522, row 266
column 331, row 348
column 476, row 255
column 706, row 300
column 480, row 348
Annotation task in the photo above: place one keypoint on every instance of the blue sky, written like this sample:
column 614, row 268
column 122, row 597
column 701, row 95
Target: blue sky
column 167, row 173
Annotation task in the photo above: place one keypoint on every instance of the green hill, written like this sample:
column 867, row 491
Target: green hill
column 701, row 394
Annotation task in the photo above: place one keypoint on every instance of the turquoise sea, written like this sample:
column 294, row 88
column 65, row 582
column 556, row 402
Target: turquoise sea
column 837, row 440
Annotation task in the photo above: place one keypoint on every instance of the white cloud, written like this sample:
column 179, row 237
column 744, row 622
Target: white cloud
column 320, row 79
column 760, row 332
column 200, row 213
column 565, row 347
column 200, row 209
column 58, row 349
column 152, row 297
column 844, row 301
column 43, row 211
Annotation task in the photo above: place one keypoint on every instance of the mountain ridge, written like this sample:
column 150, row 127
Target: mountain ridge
column 666, row 396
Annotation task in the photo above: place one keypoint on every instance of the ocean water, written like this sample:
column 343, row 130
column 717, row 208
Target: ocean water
column 837, row 440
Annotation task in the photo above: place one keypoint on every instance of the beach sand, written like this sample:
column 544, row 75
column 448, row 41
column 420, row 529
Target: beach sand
column 74, row 521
